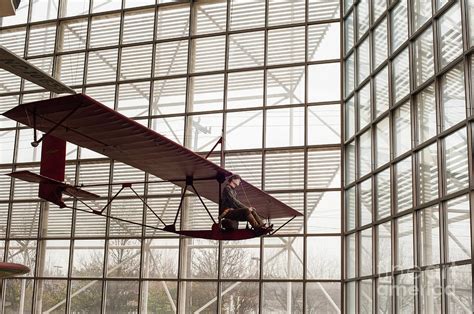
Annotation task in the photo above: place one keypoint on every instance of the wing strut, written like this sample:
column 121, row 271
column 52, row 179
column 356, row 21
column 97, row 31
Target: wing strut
column 124, row 185
column 37, row 141
column 189, row 183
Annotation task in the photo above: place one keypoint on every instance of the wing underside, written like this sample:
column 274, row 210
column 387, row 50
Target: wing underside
column 85, row 122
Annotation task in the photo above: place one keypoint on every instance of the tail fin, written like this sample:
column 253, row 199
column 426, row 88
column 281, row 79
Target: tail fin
column 53, row 165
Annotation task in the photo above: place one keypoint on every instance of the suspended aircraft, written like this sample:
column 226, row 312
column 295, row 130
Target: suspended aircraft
column 83, row 121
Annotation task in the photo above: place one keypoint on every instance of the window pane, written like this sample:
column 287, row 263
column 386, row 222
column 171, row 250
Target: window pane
column 236, row 254
column 285, row 86
column 42, row 10
column 349, row 74
column 382, row 142
column 453, row 97
column 210, row 17
column 73, row 35
column 401, row 76
column 42, row 39
column 284, row 12
column 244, row 130
column 205, row 131
column 323, row 212
column 362, row 11
column 134, row 99
column 365, row 202
column 460, row 289
column 206, row 93
column 428, row 243
column 121, row 296
column 384, row 246
column 378, row 7
column 364, row 106
column 285, row 164
column 365, row 153
column 276, row 297
column 245, row 89
column 88, row 258
column 421, row 12
column 208, row 54
column 428, row 173
column 423, row 56
column 399, row 24
column 404, row 185
column 197, row 294
column 324, row 124
column 102, row 66
column 246, row 50
column 71, row 69
column 457, row 172
column 381, row 91
column 277, row 252
column 324, row 81
column 323, row 41
column 105, row 30
column 280, row 39
column 401, row 129
column 363, row 59
column 135, row 62
column 247, row 294
column 365, row 252
column 285, row 127
column 384, row 289
column 458, row 224
column 323, row 296
column 430, row 284
column 380, row 43
column 350, row 209
column 350, row 162
column 138, row 26
column 171, row 58
column 331, row 246
column 86, row 295
column 382, row 184
column 169, row 96
column 350, row 256
column 173, row 21
column 349, row 32
column 406, row 291
column 426, row 114
column 404, row 242
column 450, row 35
column 365, row 296
column 349, row 118
column 105, row 5
column 246, row 14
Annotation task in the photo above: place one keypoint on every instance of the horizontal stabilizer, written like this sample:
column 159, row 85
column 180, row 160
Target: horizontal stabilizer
column 65, row 188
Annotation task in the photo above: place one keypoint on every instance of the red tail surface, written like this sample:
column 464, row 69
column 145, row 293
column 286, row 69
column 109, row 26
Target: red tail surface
column 53, row 165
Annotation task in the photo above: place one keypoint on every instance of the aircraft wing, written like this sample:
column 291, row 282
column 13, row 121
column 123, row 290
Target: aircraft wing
column 85, row 122
column 16, row 65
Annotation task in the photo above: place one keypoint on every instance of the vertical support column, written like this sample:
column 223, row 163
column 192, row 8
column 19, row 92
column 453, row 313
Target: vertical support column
column 40, row 257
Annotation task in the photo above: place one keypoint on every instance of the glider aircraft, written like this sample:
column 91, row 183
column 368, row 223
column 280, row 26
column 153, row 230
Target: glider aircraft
column 85, row 122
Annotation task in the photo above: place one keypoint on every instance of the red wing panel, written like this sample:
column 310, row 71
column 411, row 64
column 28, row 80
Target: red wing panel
column 99, row 128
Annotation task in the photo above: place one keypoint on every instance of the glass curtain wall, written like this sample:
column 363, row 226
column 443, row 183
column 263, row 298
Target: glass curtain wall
column 408, row 156
column 264, row 75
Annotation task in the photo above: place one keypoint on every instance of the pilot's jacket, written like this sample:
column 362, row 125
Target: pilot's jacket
column 229, row 199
